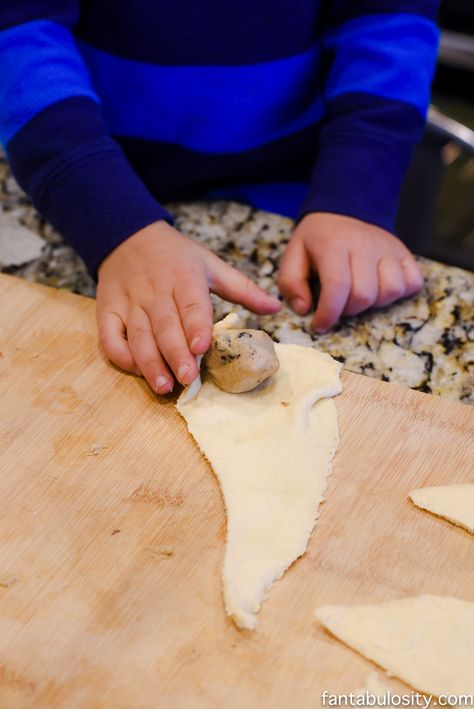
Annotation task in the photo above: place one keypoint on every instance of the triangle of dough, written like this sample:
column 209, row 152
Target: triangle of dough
column 453, row 502
column 271, row 450
column 426, row 641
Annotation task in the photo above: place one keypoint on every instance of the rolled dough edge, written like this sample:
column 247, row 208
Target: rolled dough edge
column 441, row 515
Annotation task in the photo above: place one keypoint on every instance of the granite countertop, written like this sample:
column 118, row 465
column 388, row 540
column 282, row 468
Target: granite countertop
column 426, row 342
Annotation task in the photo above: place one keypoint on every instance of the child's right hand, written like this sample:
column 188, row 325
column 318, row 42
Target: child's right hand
column 153, row 308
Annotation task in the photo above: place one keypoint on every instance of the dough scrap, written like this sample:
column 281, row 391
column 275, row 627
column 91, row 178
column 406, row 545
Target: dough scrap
column 375, row 687
column 453, row 502
column 426, row 641
column 271, row 450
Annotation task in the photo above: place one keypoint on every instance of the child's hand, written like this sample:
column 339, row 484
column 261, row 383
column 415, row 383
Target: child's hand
column 359, row 266
column 153, row 307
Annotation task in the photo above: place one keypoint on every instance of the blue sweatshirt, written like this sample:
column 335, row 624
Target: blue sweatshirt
column 108, row 108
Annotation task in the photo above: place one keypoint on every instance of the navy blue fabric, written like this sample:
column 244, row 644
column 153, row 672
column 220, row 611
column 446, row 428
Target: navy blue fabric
column 66, row 12
column 98, row 202
column 173, row 172
column 339, row 11
column 365, row 148
column 107, row 107
column 80, row 179
column 204, row 32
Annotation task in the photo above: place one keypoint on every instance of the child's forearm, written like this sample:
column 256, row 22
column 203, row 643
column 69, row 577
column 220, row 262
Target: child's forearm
column 382, row 55
column 56, row 140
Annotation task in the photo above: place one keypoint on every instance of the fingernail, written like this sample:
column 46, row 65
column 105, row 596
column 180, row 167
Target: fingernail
column 183, row 370
column 196, row 342
column 274, row 301
column 297, row 304
column 162, row 382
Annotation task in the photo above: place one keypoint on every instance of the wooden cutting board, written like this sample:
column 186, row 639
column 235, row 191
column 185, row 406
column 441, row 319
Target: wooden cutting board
column 97, row 475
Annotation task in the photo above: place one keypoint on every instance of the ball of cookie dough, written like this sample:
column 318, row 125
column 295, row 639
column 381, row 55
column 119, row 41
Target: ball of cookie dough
column 240, row 360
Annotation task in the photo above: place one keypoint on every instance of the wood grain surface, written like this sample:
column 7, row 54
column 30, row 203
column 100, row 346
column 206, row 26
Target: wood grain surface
column 100, row 481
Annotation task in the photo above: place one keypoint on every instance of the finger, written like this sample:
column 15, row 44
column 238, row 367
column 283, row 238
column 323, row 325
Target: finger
column 293, row 277
column 232, row 285
column 335, row 279
column 146, row 354
column 195, row 310
column 169, row 336
column 392, row 284
column 413, row 275
column 365, row 285
column 113, row 338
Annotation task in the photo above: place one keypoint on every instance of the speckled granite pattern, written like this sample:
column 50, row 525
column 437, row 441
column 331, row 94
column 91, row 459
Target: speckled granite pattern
column 426, row 343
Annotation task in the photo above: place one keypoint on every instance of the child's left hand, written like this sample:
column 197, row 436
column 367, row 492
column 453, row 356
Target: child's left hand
column 359, row 266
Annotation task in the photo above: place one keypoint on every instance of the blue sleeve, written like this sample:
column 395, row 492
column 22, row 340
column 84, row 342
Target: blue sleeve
column 55, row 138
column 381, row 57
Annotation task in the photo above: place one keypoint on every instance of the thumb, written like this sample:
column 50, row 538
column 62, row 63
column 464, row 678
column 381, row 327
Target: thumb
column 232, row 285
column 293, row 278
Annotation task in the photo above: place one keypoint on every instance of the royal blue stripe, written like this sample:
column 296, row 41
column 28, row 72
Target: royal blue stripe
column 388, row 56
column 39, row 66
column 207, row 108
